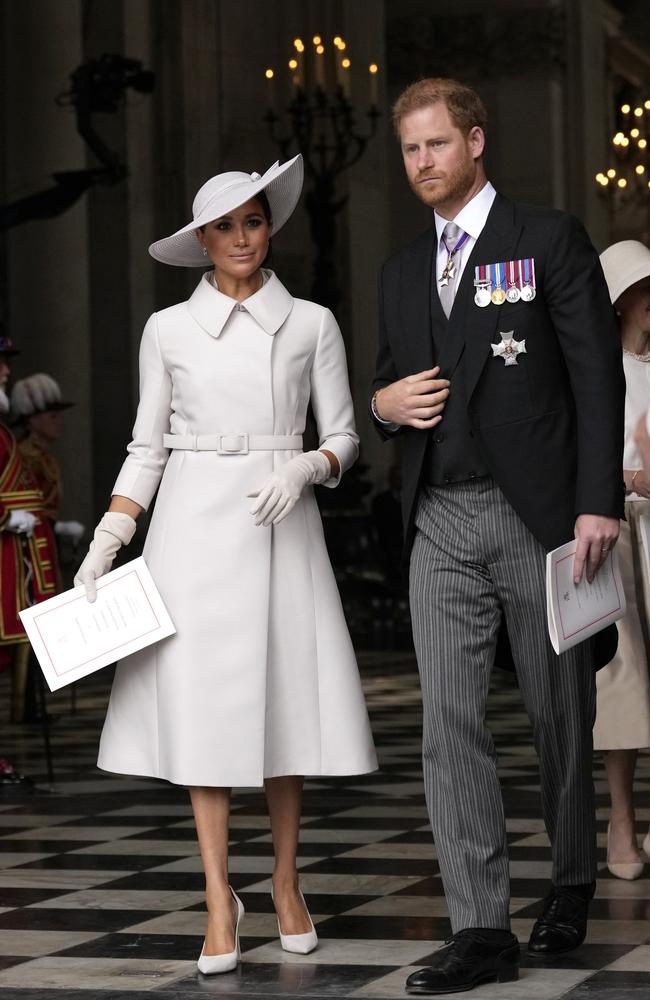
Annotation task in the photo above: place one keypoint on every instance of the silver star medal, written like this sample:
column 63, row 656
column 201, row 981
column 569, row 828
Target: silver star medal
column 509, row 348
column 449, row 271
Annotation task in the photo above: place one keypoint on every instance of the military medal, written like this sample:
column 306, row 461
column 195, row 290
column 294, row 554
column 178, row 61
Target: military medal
column 483, row 286
column 528, row 292
column 512, row 268
column 509, row 348
column 498, row 295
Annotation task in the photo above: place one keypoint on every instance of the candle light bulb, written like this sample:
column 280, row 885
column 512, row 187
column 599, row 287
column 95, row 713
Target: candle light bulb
column 269, row 74
column 317, row 40
column 625, row 109
column 622, row 182
column 611, row 172
column 320, row 49
column 293, row 64
column 638, row 112
column 646, row 105
column 642, row 143
column 345, row 63
column 640, row 169
column 373, row 67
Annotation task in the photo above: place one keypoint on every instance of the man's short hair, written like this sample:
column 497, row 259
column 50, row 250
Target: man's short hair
column 465, row 107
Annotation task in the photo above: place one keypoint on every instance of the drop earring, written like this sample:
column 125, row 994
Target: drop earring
column 205, row 251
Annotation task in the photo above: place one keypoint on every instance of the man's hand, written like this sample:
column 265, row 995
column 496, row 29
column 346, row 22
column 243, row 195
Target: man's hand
column 414, row 401
column 642, row 439
column 596, row 536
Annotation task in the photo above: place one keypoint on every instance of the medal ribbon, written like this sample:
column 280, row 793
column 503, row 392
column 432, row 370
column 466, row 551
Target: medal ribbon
column 529, row 272
column 461, row 242
column 498, row 274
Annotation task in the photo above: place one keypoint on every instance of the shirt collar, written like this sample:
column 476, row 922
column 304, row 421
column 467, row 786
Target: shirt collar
column 269, row 307
column 473, row 216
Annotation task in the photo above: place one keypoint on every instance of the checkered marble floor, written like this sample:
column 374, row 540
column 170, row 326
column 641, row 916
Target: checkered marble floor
column 101, row 885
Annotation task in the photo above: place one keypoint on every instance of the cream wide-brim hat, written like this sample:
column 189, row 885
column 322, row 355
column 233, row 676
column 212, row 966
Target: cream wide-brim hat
column 624, row 264
column 224, row 193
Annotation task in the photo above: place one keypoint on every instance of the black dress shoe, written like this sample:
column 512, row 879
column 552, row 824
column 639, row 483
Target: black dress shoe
column 562, row 925
column 471, row 957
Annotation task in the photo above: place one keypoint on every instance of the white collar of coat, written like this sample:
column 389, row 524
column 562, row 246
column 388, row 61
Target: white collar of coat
column 269, row 307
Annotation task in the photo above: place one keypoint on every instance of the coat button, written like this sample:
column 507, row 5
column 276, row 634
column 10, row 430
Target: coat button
column 439, row 438
column 448, row 479
column 472, row 475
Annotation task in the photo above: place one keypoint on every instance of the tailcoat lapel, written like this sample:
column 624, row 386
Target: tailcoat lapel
column 415, row 300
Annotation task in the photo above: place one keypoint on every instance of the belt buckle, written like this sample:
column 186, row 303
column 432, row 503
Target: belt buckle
column 232, row 444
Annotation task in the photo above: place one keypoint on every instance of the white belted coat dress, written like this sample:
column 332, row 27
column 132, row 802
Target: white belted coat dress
column 260, row 679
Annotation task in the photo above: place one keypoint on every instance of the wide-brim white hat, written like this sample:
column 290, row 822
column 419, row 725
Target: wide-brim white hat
column 224, row 193
column 624, row 264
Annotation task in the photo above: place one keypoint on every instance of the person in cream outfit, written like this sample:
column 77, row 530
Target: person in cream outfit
column 259, row 686
column 623, row 705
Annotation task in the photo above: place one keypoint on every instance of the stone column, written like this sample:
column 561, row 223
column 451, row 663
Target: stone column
column 47, row 301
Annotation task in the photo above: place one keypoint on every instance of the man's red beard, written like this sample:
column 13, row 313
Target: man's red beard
column 451, row 186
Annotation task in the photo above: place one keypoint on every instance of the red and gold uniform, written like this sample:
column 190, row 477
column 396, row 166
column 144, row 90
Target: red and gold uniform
column 44, row 470
column 27, row 564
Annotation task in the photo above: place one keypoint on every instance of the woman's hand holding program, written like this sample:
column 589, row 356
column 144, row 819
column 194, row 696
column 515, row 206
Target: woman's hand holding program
column 113, row 531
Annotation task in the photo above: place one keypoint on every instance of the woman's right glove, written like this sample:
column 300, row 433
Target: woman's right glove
column 281, row 491
column 113, row 531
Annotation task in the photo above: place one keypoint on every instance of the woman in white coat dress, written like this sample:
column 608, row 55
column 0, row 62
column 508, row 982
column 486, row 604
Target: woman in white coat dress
column 623, row 705
column 259, row 685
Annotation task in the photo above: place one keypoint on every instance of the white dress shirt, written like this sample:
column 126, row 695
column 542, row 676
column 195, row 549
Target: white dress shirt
column 471, row 219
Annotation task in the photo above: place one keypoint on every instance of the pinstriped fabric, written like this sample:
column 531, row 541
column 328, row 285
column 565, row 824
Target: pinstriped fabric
column 474, row 559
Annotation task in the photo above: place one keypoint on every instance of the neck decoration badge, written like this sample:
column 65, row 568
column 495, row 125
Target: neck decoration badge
column 509, row 348
column 449, row 270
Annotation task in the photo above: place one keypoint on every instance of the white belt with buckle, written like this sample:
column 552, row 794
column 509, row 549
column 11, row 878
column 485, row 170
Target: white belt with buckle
column 233, row 444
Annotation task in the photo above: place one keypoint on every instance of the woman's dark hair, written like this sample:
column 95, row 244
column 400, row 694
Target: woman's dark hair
column 266, row 208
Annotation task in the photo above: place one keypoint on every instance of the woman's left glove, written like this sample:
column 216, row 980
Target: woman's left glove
column 113, row 531
column 281, row 491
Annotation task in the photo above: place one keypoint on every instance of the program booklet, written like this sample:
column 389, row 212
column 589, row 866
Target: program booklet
column 72, row 638
column 577, row 612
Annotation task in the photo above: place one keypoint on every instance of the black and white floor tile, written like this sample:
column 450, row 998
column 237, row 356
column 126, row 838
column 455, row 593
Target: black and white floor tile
column 101, row 891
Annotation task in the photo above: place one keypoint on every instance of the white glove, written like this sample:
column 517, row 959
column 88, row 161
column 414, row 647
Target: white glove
column 113, row 531
column 22, row 522
column 281, row 491
column 70, row 529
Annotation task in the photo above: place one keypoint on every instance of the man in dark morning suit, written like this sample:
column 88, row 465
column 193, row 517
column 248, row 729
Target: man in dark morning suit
column 508, row 396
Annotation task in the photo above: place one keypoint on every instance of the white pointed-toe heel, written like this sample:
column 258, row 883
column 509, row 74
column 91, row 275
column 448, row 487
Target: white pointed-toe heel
column 298, row 944
column 628, row 870
column 212, row 965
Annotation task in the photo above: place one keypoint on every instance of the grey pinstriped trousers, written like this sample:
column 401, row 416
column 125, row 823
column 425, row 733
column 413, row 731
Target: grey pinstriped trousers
column 472, row 559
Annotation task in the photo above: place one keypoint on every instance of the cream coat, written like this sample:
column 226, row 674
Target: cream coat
column 260, row 679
